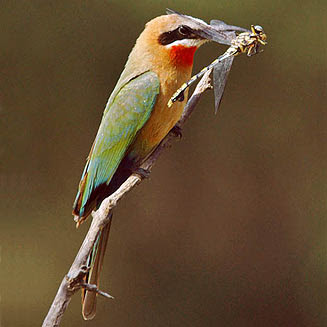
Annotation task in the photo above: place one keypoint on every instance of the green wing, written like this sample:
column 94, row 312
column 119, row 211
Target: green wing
column 123, row 117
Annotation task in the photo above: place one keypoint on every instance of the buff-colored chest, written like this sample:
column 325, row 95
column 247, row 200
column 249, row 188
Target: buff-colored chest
column 162, row 118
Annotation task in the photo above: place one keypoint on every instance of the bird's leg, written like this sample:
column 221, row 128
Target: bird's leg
column 143, row 173
column 177, row 131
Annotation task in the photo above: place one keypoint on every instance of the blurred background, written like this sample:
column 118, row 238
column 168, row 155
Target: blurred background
column 230, row 229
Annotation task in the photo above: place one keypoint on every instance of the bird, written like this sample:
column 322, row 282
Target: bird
column 136, row 119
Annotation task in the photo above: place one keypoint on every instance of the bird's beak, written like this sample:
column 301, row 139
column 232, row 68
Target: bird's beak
column 219, row 32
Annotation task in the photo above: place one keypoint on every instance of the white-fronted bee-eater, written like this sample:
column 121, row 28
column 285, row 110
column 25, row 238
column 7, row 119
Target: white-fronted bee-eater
column 137, row 118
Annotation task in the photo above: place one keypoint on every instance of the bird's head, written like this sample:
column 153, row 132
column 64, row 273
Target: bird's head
column 176, row 37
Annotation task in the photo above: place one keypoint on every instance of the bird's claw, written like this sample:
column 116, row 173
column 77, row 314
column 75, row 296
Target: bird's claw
column 177, row 131
column 143, row 173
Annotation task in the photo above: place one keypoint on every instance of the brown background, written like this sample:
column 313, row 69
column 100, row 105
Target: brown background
column 230, row 230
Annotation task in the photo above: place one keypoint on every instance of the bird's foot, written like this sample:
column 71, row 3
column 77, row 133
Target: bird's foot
column 177, row 131
column 143, row 173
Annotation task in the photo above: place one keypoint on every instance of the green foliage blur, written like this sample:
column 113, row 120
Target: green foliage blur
column 230, row 229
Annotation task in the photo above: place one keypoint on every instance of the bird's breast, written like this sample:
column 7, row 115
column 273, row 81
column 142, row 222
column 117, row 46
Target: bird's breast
column 162, row 118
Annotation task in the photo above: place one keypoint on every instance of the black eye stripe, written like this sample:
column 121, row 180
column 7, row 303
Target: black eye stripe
column 180, row 33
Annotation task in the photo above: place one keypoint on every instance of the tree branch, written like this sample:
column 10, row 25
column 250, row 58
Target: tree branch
column 94, row 288
column 73, row 281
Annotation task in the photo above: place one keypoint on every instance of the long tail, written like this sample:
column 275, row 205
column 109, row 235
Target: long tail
column 95, row 261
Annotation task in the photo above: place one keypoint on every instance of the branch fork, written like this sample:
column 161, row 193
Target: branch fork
column 76, row 282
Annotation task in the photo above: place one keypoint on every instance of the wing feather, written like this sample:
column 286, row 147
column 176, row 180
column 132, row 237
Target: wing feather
column 123, row 117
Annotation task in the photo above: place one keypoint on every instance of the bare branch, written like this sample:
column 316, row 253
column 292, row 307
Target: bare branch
column 93, row 288
column 73, row 281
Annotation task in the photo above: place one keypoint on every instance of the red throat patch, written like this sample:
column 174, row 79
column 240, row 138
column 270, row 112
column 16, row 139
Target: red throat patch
column 182, row 56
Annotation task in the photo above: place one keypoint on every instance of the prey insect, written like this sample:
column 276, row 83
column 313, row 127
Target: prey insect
column 246, row 42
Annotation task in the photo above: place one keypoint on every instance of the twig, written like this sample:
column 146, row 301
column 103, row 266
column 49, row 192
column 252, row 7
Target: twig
column 73, row 281
column 93, row 288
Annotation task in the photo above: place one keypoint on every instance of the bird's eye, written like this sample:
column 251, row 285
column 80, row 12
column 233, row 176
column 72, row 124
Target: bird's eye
column 183, row 30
